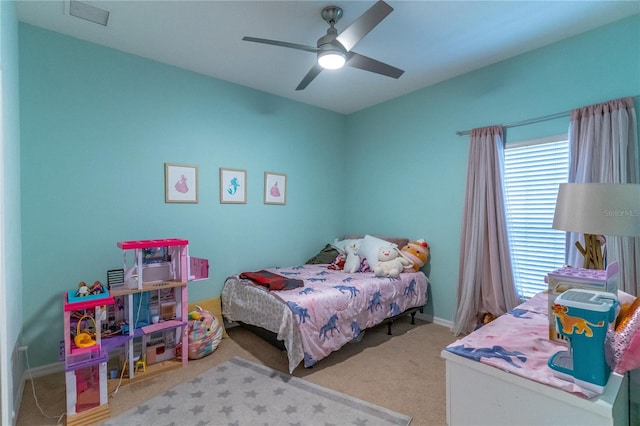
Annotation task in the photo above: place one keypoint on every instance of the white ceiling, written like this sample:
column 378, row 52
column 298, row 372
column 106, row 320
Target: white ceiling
column 431, row 40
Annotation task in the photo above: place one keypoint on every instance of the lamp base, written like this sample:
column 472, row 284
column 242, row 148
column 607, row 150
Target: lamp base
column 592, row 252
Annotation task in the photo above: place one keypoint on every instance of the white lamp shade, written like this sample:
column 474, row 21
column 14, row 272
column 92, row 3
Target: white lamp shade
column 598, row 208
column 331, row 59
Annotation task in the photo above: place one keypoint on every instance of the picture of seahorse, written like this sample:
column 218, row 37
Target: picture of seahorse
column 569, row 323
column 181, row 185
column 232, row 189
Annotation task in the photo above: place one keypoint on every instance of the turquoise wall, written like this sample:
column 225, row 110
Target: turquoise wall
column 98, row 126
column 11, row 361
column 407, row 167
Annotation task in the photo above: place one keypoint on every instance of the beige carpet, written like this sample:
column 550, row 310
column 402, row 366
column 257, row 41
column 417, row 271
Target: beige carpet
column 403, row 373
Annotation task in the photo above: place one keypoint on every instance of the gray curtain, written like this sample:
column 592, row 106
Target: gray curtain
column 485, row 282
column 603, row 144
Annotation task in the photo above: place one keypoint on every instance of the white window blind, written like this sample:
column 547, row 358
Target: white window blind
column 532, row 172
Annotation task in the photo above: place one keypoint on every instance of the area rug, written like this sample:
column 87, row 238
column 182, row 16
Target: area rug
column 239, row 392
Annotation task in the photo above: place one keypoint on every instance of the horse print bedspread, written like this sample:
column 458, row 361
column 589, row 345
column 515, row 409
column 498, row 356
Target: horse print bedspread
column 331, row 309
column 518, row 342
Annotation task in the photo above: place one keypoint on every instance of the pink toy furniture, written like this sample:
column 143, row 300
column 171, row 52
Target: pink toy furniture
column 85, row 367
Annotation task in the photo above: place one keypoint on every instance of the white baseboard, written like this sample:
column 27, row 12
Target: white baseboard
column 435, row 320
column 17, row 400
column 44, row 370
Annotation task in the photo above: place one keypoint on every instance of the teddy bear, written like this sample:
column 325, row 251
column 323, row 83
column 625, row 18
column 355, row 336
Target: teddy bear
column 417, row 252
column 352, row 263
column 390, row 263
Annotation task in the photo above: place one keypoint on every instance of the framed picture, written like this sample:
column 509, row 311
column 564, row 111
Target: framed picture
column 275, row 188
column 233, row 186
column 180, row 183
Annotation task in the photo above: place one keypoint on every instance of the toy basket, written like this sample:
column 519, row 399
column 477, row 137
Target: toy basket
column 205, row 333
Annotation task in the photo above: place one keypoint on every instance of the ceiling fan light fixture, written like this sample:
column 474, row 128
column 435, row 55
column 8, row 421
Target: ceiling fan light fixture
column 331, row 59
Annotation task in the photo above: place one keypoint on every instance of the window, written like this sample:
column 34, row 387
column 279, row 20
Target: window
column 532, row 172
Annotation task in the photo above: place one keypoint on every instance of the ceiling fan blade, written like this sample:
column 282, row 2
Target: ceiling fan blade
column 313, row 73
column 365, row 23
column 282, row 44
column 362, row 62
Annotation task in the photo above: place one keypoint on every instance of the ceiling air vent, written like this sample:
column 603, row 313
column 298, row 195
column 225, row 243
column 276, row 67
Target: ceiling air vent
column 87, row 11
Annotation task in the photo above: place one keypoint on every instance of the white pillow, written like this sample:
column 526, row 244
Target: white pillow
column 369, row 249
column 341, row 245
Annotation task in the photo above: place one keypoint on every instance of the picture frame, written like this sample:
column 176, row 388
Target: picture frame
column 275, row 188
column 233, row 186
column 180, row 183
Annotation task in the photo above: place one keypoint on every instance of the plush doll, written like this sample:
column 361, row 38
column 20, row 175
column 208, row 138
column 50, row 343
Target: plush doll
column 417, row 252
column 352, row 264
column 390, row 263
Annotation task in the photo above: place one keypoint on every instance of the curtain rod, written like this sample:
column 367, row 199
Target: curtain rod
column 531, row 120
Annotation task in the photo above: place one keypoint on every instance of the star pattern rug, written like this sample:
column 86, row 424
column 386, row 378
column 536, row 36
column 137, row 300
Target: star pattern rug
column 239, row 392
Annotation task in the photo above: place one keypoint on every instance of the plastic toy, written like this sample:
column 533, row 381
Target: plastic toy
column 85, row 360
column 84, row 338
column 83, row 289
column 97, row 288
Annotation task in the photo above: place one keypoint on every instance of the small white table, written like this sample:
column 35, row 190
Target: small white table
column 479, row 394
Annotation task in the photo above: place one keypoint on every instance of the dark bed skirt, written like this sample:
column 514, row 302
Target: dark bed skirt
column 272, row 338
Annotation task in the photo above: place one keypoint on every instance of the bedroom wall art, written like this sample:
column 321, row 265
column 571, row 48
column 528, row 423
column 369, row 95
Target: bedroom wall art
column 233, row 186
column 180, row 183
column 275, row 188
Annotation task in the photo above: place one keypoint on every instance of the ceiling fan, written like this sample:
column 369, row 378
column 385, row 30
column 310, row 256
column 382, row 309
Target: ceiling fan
column 334, row 50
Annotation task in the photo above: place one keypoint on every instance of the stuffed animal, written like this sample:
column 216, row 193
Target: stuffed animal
column 417, row 252
column 390, row 263
column 352, row 264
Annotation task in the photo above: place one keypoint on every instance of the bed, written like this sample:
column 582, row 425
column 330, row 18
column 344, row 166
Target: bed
column 498, row 375
column 329, row 310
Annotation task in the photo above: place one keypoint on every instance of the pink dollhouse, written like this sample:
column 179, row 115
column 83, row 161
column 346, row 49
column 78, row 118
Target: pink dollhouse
column 85, row 359
column 154, row 284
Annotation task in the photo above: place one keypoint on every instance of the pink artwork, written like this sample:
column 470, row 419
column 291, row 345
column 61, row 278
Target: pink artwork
column 275, row 192
column 181, row 185
column 275, row 188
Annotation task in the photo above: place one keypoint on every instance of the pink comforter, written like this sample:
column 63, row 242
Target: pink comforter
column 334, row 307
column 518, row 342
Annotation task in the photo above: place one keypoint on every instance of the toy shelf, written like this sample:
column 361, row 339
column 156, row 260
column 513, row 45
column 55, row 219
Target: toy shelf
column 114, row 342
column 85, row 367
column 74, row 356
column 142, row 244
column 89, row 303
column 145, row 322
column 157, row 281
column 161, row 326
column 123, row 291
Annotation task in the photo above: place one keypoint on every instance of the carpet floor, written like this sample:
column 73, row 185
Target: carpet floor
column 239, row 392
column 403, row 373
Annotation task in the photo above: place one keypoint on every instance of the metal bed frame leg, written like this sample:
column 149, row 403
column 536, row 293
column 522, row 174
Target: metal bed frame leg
column 413, row 318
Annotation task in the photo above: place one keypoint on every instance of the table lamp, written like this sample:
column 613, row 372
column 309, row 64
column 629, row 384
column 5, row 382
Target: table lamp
column 597, row 209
